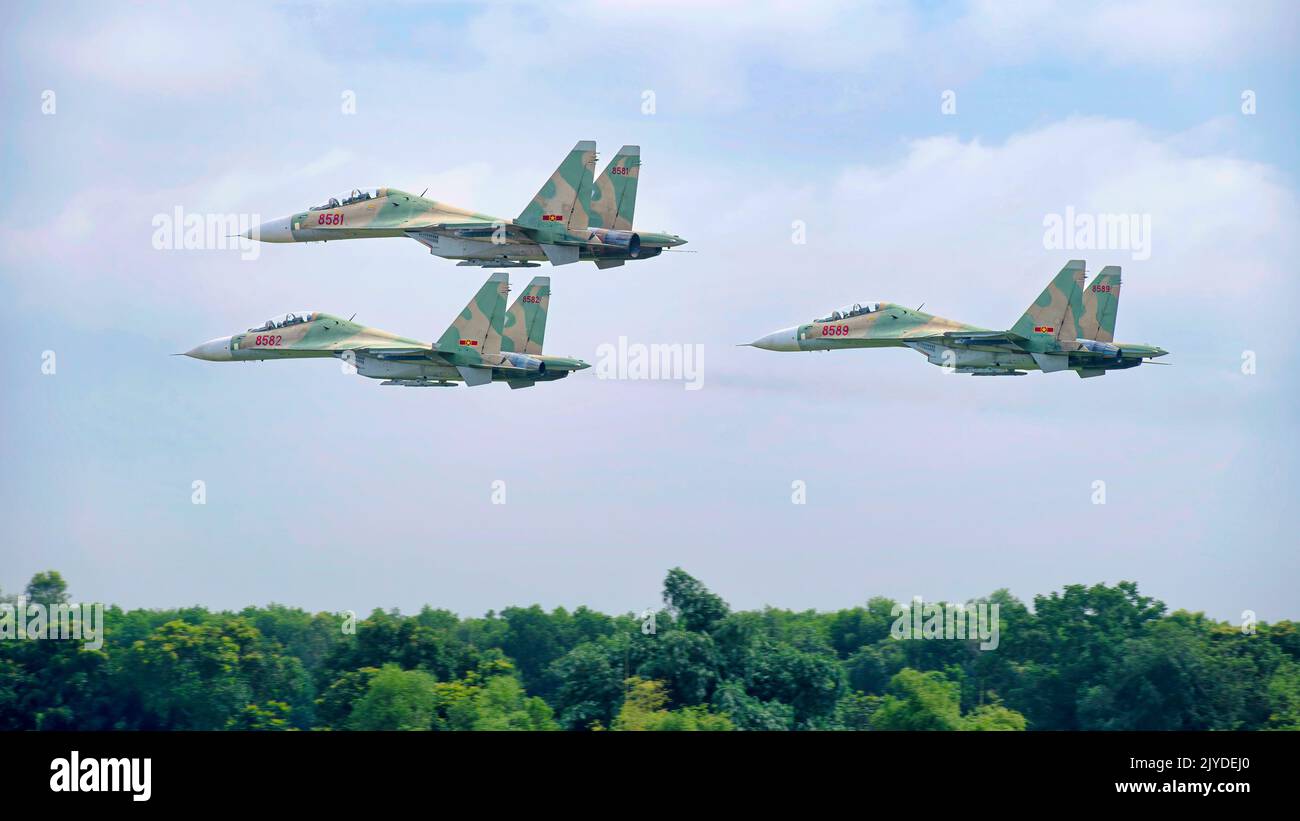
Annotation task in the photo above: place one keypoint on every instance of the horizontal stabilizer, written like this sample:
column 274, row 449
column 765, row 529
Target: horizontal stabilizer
column 1051, row 362
column 560, row 254
column 475, row 376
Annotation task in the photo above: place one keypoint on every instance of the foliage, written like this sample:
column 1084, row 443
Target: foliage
column 645, row 708
column 1085, row 657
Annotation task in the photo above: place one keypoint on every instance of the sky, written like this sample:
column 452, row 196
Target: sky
column 814, row 154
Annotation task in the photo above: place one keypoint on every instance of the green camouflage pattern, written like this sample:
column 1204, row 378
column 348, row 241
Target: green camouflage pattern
column 572, row 218
column 476, row 333
column 1061, row 330
column 483, row 344
column 524, row 328
column 1052, row 320
column 564, row 201
column 1100, row 305
column 613, row 200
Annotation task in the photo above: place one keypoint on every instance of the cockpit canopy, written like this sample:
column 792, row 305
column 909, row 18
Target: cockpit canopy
column 856, row 309
column 286, row 320
column 355, row 195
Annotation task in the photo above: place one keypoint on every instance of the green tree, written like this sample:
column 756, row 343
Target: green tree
column 811, row 683
column 396, row 699
column 334, row 707
column 645, row 708
column 749, row 713
column 699, row 609
column 502, row 704
column 589, row 686
column 993, row 717
column 850, row 630
column 1284, row 697
column 273, row 715
column 686, row 662
column 47, row 588
column 919, row 701
column 194, row 676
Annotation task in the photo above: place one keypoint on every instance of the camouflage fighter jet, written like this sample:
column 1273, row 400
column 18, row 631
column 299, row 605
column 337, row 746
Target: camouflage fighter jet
column 570, row 219
column 1068, row 327
column 485, row 343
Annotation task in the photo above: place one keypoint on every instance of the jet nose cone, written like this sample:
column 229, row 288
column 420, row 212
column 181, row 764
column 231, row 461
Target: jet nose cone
column 785, row 339
column 582, row 366
column 276, row 230
column 676, row 240
column 214, row 350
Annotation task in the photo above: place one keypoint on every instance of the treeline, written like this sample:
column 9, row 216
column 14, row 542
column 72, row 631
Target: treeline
column 1093, row 658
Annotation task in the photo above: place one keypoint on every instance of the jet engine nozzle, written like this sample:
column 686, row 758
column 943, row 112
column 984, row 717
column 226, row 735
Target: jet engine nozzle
column 523, row 362
column 623, row 240
column 1104, row 348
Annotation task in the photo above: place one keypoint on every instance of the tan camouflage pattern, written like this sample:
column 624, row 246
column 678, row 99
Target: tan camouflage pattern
column 476, row 333
column 563, row 202
column 524, row 328
column 1051, row 322
column 556, row 225
column 1049, row 336
column 613, row 201
column 470, row 350
column 1101, row 305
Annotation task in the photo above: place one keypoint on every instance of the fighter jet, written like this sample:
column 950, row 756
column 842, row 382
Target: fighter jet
column 1068, row 327
column 570, row 219
column 486, row 343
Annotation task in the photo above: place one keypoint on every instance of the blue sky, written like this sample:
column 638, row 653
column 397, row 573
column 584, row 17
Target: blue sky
column 333, row 493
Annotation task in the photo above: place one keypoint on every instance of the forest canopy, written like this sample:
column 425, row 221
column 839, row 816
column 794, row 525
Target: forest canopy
column 1084, row 658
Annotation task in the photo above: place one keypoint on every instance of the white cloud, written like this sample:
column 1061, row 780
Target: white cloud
column 949, row 202
column 1167, row 33
column 701, row 54
column 183, row 51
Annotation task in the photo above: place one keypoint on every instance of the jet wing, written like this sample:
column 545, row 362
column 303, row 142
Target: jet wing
column 449, row 227
column 962, row 339
column 481, row 230
column 393, row 354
